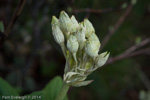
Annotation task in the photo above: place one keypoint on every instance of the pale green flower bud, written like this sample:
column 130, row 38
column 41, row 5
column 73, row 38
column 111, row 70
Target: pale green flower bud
column 72, row 44
column 65, row 22
column 55, row 21
column 95, row 39
column 57, row 33
column 80, row 35
column 91, row 49
column 102, row 58
column 75, row 24
column 89, row 27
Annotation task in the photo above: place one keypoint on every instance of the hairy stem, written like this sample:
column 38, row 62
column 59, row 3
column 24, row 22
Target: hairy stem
column 62, row 92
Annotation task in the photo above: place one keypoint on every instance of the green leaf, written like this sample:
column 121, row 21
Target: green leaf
column 38, row 95
column 6, row 89
column 53, row 88
column 49, row 92
column 1, row 26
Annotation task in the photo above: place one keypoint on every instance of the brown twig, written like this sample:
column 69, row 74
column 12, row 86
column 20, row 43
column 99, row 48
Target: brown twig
column 131, row 52
column 4, row 35
column 120, row 57
column 133, row 48
column 117, row 25
column 15, row 16
column 142, row 51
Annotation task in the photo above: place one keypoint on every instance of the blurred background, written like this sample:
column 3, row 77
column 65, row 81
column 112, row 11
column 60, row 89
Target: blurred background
column 30, row 58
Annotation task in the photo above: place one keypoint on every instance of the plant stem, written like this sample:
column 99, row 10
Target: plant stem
column 62, row 92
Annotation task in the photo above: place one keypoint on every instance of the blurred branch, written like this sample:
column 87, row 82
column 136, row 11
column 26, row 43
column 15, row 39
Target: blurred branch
column 13, row 20
column 120, row 57
column 133, row 48
column 142, row 51
column 106, row 10
column 144, row 78
column 117, row 25
column 88, row 10
column 37, row 26
column 15, row 16
column 131, row 52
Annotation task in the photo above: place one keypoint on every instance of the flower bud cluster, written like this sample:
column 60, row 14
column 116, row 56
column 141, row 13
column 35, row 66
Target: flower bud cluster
column 80, row 46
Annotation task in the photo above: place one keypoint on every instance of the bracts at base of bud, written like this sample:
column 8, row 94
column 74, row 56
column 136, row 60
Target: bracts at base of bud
column 102, row 58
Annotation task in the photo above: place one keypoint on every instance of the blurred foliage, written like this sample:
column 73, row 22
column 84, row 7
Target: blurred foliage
column 1, row 27
column 48, row 93
column 144, row 95
column 6, row 89
column 29, row 58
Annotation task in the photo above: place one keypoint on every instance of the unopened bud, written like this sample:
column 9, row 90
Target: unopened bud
column 72, row 44
column 55, row 21
column 80, row 35
column 102, row 58
column 57, row 33
column 95, row 39
column 65, row 22
column 75, row 24
column 91, row 48
column 89, row 27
